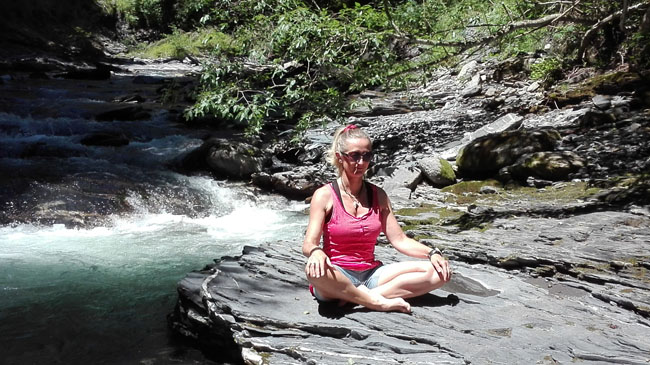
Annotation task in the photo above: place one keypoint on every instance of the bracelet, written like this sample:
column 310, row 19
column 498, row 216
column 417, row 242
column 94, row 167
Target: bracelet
column 315, row 249
column 433, row 252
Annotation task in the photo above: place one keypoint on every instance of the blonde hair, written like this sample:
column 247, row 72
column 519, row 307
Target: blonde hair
column 341, row 137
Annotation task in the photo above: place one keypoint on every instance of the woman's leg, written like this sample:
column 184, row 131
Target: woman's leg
column 335, row 285
column 407, row 280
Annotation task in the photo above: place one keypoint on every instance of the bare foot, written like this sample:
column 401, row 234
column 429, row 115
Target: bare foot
column 396, row 304
column 385, row 304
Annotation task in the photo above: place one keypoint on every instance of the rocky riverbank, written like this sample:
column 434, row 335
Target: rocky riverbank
column 550, row 246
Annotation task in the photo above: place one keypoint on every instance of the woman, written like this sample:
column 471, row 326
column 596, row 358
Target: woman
column 349, row 214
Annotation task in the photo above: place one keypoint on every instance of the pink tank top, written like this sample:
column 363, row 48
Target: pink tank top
column 349, row 241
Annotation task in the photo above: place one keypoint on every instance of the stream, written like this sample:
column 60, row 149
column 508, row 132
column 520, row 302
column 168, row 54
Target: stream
column 100, row 293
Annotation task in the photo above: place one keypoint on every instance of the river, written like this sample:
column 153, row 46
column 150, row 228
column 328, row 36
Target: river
column 101, row 293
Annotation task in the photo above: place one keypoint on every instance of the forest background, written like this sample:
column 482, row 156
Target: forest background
column 295, row 62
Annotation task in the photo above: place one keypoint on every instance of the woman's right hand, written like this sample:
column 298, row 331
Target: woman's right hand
column 317, row 263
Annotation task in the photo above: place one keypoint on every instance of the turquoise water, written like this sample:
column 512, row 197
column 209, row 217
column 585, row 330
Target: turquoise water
column 101, row 295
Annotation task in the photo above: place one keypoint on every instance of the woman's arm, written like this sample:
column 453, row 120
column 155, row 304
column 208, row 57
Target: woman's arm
column 402, row 242
column 321, row 204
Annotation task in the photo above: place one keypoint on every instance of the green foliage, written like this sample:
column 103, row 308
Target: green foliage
column 307, row 62
column 549, row 69
column 138, row 13
column 638, row 46
column 298, row 61
column 180, row 44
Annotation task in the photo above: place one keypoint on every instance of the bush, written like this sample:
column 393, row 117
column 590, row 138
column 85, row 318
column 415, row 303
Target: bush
column 547, row 70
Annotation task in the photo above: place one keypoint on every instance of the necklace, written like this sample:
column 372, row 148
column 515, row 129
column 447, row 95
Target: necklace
column 354, row 198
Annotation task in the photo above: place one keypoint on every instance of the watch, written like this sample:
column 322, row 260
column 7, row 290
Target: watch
column 433, row 252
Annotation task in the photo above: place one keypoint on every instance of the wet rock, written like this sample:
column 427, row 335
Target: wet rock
column 129, row 113
column 233, row 159
column 289, row 183
column 105, row 139
column 134, row 98
column 150, row 80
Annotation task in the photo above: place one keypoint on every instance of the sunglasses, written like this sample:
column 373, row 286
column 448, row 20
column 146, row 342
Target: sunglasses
column 356, row 156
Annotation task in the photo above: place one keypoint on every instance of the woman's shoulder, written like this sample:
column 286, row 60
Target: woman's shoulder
column 382, row 197
column 324, row 192
column 377, row 188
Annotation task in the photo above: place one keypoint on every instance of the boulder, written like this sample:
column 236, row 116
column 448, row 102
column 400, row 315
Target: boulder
column 233, row 159
column 437, row 170
column 507, row 122
column 401, row 183
column 256, row 308
column 485, row 156
column 602, row 102
column 288, row 183
column 554, row 166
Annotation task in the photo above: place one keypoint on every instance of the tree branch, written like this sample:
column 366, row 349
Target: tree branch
column 623, row 16
column 390, row 17
column 509, row 28
column 591, row 33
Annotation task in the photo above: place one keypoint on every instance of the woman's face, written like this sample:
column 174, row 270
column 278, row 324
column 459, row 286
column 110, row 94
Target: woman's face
column 356, row 156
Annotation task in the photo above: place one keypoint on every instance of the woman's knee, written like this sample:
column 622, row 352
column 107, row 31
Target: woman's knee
column 434, row 277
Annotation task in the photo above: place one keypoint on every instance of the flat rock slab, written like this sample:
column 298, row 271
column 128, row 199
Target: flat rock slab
column 256, row 308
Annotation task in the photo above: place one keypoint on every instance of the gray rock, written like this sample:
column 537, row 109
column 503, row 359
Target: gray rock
column 289, row 183
column 258, row 304
column 532, row 87
column 402, row 182
column 486, row 155
column 471, row 91
column 487, row 189
column 602, row 102
column 552, row 166
column 509, row 121
column 437, row 170
column 234, row 159
column 467, row 69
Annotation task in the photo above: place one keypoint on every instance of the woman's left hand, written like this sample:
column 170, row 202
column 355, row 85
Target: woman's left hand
column 442, row 267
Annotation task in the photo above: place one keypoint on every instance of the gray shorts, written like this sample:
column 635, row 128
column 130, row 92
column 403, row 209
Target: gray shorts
column 369, row 278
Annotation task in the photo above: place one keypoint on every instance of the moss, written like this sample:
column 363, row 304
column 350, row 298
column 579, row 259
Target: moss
column 181, row 44
column 446, row 170
column 425, row 217
column 471, row 186
column 606, row 83
column 266, row 357
column 414, row 211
